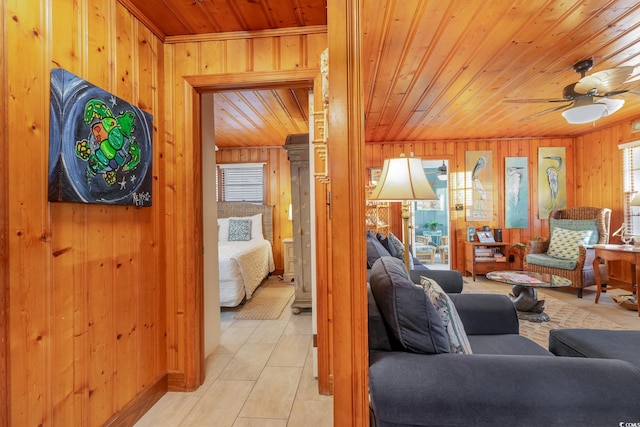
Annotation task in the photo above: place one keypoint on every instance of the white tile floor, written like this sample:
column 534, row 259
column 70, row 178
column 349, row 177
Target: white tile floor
column 260, row 376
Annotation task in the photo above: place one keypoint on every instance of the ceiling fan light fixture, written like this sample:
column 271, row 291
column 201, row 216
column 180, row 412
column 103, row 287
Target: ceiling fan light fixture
column 584, row 113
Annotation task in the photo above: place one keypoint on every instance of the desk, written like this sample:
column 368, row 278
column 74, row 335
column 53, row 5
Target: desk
column 617, row 253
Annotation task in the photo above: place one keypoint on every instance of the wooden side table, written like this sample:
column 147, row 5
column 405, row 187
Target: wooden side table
column 617, row 253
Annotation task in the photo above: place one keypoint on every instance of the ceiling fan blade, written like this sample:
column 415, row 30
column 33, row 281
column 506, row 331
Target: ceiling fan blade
column 528, row 101
column 613, row 105
column 603, row 81
column 547, row 111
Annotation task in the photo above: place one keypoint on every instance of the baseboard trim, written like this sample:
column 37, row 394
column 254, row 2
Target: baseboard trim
column 176, row 381
column 136, row 408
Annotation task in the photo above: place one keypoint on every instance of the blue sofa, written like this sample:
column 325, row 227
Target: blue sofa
column 508, row 380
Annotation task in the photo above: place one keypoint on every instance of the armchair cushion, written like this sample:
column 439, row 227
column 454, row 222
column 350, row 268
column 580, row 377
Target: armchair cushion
column 552, row 262
column 564, row 243
column 406, row 310
column 577, row 225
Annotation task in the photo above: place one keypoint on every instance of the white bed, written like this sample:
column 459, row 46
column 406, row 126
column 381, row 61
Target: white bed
column 243, row 264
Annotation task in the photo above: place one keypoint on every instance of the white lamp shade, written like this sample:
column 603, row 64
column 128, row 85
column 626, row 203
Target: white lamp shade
column 403, row 178
column 636, row 200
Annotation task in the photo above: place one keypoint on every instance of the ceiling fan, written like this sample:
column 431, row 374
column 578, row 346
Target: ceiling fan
column 588, row 99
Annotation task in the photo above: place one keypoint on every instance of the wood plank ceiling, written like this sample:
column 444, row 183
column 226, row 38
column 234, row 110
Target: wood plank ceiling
column 433, row 70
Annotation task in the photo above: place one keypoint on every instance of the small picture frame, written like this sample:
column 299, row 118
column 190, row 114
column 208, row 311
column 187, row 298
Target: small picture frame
column 485, row 237
column 374, row 175
column 471, row 234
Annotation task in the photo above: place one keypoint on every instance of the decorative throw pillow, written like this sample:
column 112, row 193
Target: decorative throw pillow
column 577, row 225
column 399, row 247
column 406, row 310
column 450, row 319
column 375, row 249
column 386, row 243
column 397, row 244
column 564, row 243
column 239, row 230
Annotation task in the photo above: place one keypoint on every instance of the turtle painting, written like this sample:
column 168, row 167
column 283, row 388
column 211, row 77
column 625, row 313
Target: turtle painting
column 100, row 145
column 110, row 146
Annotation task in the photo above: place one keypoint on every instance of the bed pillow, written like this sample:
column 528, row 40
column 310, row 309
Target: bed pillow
column 239, row 230
column 223, row 229
column 256, row 227
column 564, row 243
column 458, row 341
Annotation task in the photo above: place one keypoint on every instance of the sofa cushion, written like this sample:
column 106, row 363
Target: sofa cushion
column 512, row 344
column 549, row 261
column 375, row 249
column 596, row 343
column 577, row 225
column 458, row 341
column 564, row 243
column 408, row 313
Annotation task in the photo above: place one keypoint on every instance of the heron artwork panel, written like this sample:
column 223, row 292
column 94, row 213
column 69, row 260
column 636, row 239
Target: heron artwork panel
column 100, row 145
column 552, row 180
column 479, row 166
column 516, row 192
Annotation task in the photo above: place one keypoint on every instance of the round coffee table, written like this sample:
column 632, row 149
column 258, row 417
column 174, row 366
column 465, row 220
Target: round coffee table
column 524, row 294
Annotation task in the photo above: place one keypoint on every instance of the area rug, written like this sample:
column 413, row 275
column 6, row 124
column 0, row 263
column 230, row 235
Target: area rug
column 267, row 302
column 562, row 315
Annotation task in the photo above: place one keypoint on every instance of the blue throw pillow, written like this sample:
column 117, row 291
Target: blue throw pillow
column 375, row 249
column 239, row 230
column 577, row 225
column 411, row 317
column 387, row 244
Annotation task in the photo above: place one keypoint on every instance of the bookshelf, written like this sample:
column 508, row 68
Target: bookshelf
column 481, row 258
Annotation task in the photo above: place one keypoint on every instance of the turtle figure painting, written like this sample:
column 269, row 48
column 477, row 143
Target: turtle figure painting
column 100, row 145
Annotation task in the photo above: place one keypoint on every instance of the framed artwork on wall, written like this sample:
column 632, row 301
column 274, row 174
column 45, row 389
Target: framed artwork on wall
column 516, row 192
column 100, row 145
column 479, row 166
column 552, row 180
column 374, row 175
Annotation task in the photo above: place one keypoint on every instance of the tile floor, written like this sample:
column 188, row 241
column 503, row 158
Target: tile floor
column 260, row 376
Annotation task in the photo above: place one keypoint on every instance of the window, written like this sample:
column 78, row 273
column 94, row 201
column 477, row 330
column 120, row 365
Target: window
column 241, row 182
column 631, row 185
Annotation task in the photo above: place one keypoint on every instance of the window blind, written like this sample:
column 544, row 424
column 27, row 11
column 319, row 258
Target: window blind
column 241, row 182
column 631, row 185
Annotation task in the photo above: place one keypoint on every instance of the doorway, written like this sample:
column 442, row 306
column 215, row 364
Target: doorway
column 431, row 223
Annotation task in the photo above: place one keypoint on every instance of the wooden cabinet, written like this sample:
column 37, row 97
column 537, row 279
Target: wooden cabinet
column 480, row 258
column 289, row 259
column 297, row 146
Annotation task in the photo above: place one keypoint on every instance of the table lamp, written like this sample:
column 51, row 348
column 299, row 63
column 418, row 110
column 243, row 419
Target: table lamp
column 403, row 179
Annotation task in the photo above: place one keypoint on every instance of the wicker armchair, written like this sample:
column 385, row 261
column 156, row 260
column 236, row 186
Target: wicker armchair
column 582, row 275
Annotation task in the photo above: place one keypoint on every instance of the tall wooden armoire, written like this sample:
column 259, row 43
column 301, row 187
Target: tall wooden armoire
column 297, row 146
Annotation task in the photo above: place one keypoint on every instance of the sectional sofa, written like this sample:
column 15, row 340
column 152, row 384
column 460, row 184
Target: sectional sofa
column 508, row 380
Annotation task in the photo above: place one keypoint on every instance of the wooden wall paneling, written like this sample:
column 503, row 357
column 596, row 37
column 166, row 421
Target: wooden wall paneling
column 29, row 235
column 5, row 401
